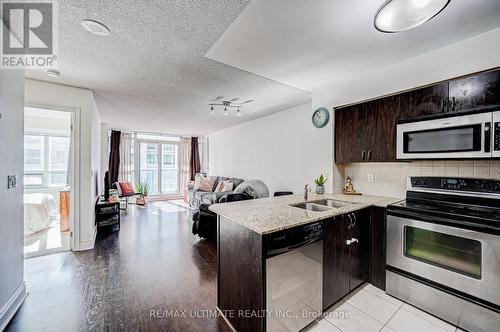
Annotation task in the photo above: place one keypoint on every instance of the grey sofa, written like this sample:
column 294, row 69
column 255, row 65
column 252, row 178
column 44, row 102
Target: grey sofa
column 197, row 197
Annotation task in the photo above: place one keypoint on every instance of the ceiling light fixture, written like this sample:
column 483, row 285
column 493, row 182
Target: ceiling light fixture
column 53, row 73
column 403, row 15
column 228, row 104
column 95, row 27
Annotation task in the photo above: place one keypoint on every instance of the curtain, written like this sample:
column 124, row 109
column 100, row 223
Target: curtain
column 184, row 154
column 194, row 160
column 126, row 161
column 114, row 157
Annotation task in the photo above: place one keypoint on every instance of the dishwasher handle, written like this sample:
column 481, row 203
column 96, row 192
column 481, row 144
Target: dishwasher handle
column 279, row 251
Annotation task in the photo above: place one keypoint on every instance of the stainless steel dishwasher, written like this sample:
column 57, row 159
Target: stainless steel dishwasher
column 294, row 277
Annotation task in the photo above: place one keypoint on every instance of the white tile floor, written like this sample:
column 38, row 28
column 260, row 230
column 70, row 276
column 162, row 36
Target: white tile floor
column 370, row 309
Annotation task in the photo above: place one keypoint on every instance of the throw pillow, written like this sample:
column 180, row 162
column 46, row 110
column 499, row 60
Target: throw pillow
column 219, row 187
column 206, row 184
column 197, row 180
column 126, row 188
column 228, row 186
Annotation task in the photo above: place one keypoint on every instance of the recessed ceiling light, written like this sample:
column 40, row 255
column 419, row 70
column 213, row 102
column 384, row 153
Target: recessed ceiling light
column 95, row 27
column 52, row 73
column 402, row 15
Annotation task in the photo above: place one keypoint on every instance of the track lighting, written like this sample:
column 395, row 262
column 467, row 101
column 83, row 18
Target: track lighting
column 228, row 104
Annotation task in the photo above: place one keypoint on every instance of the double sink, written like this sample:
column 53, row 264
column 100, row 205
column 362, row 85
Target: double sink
column 321, row 205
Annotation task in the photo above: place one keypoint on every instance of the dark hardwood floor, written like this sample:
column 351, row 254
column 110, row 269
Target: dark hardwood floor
column 153, row 264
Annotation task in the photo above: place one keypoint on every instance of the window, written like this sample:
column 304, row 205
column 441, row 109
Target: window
column 46, row 161
column 447, row 251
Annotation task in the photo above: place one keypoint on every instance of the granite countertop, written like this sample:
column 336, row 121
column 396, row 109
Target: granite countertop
column 268, row 215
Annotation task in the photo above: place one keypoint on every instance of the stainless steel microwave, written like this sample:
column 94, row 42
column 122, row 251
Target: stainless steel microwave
column 465, row 136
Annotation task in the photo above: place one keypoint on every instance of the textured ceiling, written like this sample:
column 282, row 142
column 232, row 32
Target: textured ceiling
column 310, row 46
column 150, row 73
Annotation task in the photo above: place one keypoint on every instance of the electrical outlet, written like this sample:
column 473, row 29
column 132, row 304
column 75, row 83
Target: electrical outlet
column 370, row 178
column 11, row 181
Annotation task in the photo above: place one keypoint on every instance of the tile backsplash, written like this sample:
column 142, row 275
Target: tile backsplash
column 389, row 179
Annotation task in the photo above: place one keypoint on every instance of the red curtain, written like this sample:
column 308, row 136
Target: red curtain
column 194, row 159
column 114, row 157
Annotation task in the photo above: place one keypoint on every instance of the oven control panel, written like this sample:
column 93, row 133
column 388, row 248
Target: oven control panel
column 496, row 137
column 456, row 184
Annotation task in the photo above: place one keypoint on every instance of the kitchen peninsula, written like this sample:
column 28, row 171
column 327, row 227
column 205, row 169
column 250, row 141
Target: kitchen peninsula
column 278, row 256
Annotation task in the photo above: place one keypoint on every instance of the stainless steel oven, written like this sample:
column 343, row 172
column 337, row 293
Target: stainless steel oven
column 465, row 136
column 443, row 250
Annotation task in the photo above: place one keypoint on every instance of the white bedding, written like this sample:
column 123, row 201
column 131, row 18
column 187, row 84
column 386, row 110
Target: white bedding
column 38, row 208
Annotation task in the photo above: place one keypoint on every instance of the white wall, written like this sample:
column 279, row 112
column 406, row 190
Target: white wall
column 12, row 287
column 51, row 95
column 282, row 149
column 472, row 55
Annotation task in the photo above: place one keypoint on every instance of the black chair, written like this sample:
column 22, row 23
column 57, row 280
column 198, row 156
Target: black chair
column 282, row 193
column 205, row 221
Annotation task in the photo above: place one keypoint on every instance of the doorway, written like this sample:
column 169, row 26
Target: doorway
column 48, row 180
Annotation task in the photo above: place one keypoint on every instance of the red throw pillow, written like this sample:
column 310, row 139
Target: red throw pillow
column 126, row 187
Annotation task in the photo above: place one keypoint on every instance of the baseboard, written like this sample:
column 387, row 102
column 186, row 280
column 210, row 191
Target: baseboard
column 87, row 245
column 11, row 307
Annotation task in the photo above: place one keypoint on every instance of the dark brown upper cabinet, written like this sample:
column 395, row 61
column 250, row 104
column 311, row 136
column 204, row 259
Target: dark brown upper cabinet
column 350, row 134
column 367, row 131
column 381, row 118
column 425, row 101
column 475, row 92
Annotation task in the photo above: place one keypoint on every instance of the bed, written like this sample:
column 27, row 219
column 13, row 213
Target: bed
column 38, row 210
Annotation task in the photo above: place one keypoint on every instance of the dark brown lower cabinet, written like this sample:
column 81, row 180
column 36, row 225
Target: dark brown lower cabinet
column 377, row 270
column 346, row 265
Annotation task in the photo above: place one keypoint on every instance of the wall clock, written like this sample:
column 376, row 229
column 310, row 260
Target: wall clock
column 320, row 117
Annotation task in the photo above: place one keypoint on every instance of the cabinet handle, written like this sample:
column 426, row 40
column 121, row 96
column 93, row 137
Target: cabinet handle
column 363, row 155
column 348, row 242
column 370, row 154
column 350, row 223
column 355, row 220
column 354, row 240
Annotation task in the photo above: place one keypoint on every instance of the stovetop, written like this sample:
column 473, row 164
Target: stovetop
column 461, row 202
column 450, row 209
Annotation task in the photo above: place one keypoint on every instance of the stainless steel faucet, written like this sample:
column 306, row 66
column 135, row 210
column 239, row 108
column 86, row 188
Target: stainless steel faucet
column 306, row 192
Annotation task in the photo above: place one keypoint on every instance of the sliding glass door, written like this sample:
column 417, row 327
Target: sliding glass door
column 149, row 166
column 159, row 166
column 169, row 169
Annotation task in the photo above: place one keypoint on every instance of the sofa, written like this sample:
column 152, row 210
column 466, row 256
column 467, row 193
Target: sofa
column 198, row 197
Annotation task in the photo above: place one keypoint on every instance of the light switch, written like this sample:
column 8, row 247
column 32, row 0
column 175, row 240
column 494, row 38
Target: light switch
column 11, row 181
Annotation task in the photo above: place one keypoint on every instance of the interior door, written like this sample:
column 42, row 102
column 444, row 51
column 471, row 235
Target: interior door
column 336, row 261
column 359, row 249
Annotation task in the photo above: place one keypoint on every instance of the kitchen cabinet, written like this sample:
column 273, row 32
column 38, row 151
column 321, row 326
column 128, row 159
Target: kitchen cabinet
column 367, row 132
column 475, row 92
column 425, row 101
column 350, row 130
column 346, row 255
column 381, row 118
column 377, row 252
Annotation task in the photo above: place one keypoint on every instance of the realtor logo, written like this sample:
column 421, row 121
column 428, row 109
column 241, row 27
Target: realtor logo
column 29, row 34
